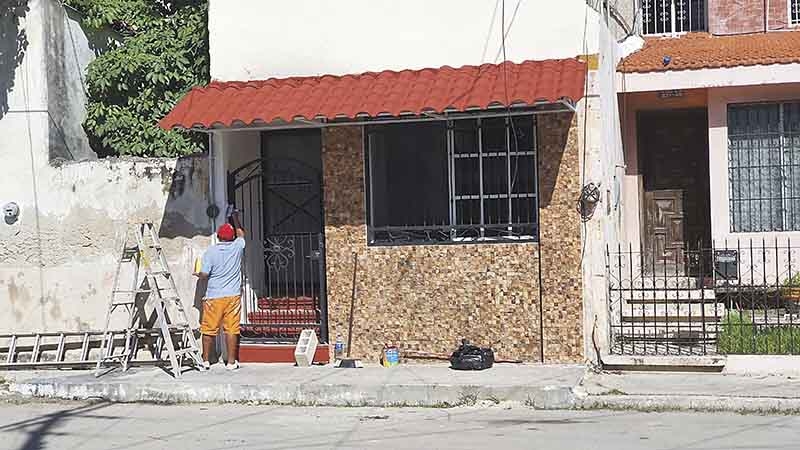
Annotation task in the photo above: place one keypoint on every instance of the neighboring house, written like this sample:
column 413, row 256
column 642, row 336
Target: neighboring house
column 383, row 154
column 710, row 119
column 58, row 258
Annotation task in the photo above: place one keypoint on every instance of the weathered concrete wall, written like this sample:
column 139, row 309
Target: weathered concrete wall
column 603, row 164
column 429, row 297
column 69, row 50
column 45, row 85
column 57, row 260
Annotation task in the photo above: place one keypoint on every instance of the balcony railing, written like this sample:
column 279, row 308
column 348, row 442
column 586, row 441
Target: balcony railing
column 673, row 16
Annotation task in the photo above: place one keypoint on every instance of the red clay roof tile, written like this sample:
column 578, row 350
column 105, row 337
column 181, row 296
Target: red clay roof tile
column 704, row 51
column 390, row 93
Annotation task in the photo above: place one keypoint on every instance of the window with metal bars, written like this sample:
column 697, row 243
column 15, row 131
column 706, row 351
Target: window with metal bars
column 673, row 16
column 455, row 181
column 794, row 12
column 764, row 167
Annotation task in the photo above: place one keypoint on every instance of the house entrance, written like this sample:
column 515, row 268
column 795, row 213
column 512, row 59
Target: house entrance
column 280, row 195
column 673, row 159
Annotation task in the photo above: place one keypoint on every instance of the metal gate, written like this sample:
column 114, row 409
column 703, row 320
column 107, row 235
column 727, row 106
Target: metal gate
column 284, row 264
column 739, row 297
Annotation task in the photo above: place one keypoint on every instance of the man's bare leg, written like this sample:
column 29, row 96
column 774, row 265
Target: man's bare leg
column 232, row 344
column 208, row 346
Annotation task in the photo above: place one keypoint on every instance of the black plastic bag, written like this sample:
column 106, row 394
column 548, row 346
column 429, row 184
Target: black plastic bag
column 471, row 357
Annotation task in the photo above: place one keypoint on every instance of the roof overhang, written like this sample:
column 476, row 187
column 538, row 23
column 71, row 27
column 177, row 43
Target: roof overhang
column 544, row 108
column 530, row 87
column 708, row 78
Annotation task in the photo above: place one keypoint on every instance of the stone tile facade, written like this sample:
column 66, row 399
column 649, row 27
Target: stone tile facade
column 428, row 297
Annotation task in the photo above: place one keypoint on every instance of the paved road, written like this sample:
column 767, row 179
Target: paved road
column 109, row 426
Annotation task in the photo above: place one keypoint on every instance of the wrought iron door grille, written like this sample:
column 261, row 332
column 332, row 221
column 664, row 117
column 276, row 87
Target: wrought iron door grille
column 284, row 266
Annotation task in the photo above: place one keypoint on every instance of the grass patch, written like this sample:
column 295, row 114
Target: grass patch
column 738, row 335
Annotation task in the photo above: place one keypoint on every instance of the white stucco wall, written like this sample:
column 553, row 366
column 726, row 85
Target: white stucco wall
column 604, row 166
column 57, row 260
column 256, row 39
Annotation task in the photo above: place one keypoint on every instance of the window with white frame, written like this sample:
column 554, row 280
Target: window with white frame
column 794, row 12
column 673, row 16
column 465, row 180
column 764, row 167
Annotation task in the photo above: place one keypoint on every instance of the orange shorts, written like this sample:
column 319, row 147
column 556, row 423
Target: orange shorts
column 223, row 311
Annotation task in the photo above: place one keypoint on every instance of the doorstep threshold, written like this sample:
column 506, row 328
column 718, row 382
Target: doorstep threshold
column 685, row 363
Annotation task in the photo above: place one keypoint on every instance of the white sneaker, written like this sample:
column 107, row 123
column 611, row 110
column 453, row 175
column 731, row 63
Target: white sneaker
column 232, row 366
column 206, row 365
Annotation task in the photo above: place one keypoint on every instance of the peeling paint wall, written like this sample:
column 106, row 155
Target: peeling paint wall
column 57, row 260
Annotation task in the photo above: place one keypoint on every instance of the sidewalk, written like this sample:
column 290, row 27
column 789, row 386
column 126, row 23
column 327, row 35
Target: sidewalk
column 542, row 387
column 711, row 392
column 403, row 385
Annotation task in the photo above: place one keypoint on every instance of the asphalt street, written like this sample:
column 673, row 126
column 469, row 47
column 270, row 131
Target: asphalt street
column 107, row 426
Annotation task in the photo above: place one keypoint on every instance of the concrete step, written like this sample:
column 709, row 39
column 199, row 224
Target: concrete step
column 670, row 319
column 704, row 363
column 651, row 328
column 663, row 295
column 666, row 335
column 640, row 281
column 709, row 310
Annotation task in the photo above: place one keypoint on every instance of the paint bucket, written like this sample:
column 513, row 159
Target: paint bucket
column 390, row 356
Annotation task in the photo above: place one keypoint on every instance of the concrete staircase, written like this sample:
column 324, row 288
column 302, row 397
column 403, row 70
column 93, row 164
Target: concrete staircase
column 665, row 315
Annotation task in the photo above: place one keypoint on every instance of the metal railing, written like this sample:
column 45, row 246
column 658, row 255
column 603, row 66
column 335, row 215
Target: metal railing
column 735, row 298
column 673, row 16
column 284, row 288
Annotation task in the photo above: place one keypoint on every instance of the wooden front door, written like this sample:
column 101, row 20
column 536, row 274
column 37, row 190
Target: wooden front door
column 673, row 155
column 664, row 224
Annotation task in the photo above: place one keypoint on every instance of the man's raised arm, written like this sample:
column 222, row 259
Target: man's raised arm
column 237, row 223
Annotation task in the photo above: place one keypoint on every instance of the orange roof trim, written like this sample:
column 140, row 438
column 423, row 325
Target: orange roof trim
column 388, row 93
column 704, row 51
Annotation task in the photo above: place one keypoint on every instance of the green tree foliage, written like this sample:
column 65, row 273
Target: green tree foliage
column 161, row 53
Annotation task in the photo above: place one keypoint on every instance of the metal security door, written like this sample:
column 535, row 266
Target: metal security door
column 281, row 199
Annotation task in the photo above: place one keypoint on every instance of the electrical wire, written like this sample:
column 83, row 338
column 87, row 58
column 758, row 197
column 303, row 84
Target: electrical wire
column 506, row 31
column 491, row 29
column 510, row 120
column 35, row 190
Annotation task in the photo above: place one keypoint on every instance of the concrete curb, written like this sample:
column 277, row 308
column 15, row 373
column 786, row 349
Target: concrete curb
column 397, row 395
column 693, row 403
column 421, row 395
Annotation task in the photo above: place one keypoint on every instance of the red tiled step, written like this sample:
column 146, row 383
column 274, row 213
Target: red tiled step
column 287, row 303
column 282, row 316
column 277, row 353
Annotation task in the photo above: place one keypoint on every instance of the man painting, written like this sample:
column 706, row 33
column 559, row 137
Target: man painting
column 222, row 266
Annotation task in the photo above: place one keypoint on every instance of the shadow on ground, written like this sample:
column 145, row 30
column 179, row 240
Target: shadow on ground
column 39, row 428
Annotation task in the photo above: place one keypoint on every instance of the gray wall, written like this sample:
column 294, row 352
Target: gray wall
column 57, row 260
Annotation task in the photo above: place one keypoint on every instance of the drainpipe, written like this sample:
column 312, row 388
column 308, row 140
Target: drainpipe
column 766, row 16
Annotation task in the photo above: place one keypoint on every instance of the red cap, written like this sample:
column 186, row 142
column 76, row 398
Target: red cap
column 226, row 232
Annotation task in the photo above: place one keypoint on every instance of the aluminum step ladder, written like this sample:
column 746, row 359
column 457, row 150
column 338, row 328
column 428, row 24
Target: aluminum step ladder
column 151, row 283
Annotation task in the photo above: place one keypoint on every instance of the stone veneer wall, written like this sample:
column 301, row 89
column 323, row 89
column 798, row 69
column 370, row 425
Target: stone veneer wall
column 428, row 297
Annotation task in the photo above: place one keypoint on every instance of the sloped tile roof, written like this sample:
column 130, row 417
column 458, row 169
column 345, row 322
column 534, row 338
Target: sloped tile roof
column 704, row 51
column 388, row 93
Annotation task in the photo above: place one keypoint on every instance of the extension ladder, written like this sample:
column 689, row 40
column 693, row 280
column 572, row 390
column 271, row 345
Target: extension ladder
column 151, row 282
column 58, row 350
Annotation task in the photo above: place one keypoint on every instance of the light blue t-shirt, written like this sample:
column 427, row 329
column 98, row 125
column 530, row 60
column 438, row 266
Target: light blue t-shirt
column 223, row 264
